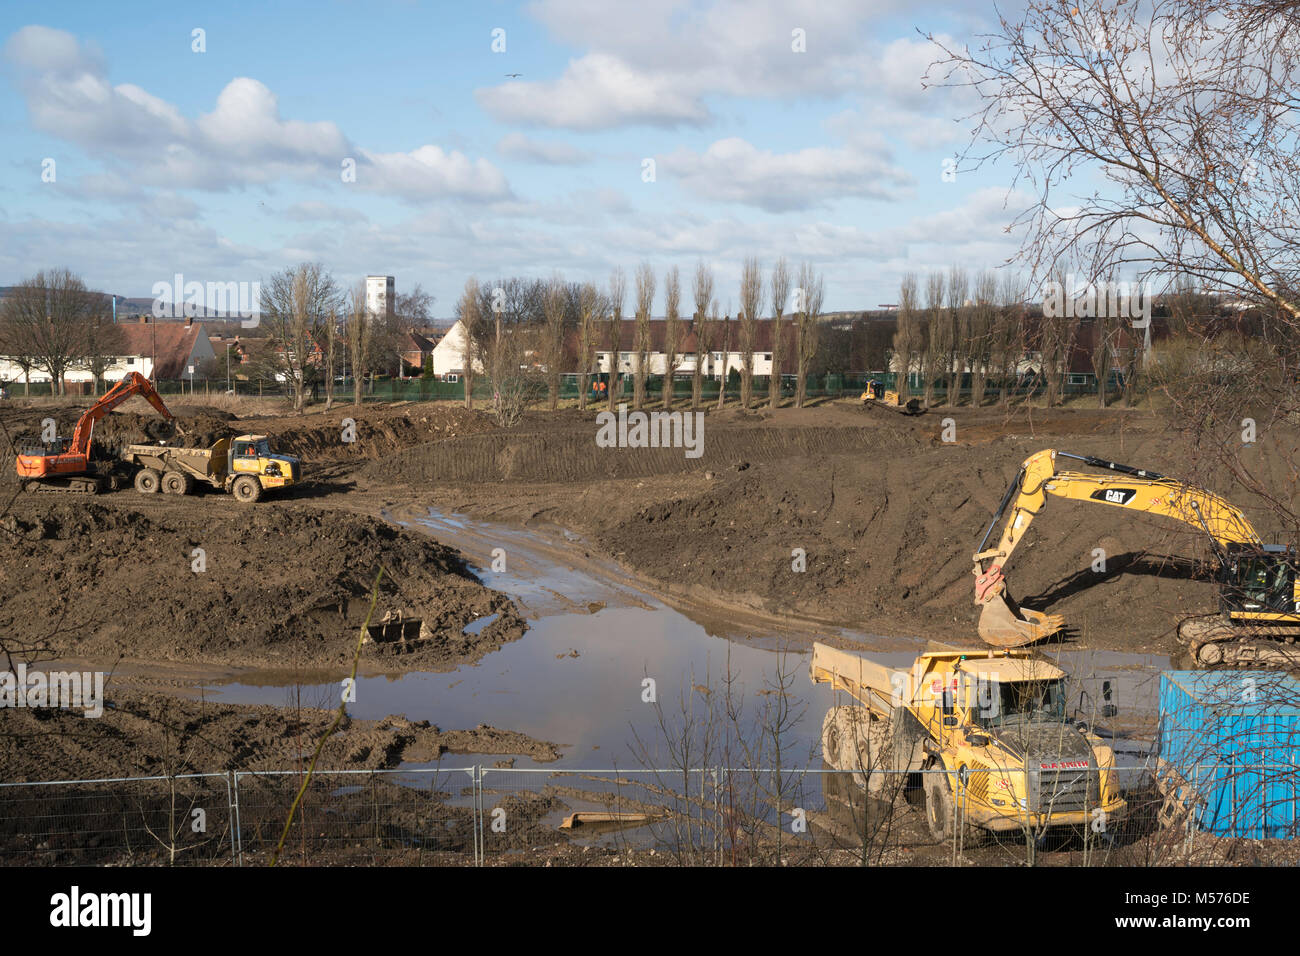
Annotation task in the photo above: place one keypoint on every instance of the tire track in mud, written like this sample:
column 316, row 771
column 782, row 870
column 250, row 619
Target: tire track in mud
column 572, row 456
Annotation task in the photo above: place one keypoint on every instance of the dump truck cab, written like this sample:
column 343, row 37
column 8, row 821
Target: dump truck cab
column 255, row 455
column 1000, row 723
column 992, row 728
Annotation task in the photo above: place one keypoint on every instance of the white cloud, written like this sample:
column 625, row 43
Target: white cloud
column 430, row 172
column 243, row 141
column 734, row 170
column 597, row 91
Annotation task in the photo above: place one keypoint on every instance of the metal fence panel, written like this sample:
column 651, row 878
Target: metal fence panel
column 709, row 816
column 177, row 821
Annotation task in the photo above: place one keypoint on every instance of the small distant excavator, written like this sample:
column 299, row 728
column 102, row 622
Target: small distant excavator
column 64, row 464
column 875, row 394
column 1259, row 595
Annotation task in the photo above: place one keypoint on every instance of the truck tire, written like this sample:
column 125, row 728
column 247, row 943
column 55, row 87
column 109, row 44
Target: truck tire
column 177, row 483
column 147, row 481
column 939, row 811
column 938, row 805
column 246, row 489
column 856, row 740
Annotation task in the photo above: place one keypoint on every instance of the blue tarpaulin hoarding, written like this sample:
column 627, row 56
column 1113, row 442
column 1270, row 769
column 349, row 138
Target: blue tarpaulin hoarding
column 1235, row 736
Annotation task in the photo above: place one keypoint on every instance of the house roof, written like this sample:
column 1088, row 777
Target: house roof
column 171, row 342
column 415, row 342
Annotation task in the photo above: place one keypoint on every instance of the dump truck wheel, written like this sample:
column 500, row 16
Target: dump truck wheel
column 939, row 815
column 246, row 489
column 852, row 739
column 831, row 738
column 177, row 483
column 147, row 481
column 938, row 805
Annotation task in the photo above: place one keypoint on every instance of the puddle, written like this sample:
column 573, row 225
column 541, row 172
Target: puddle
column 475, row 626
column 597, row 646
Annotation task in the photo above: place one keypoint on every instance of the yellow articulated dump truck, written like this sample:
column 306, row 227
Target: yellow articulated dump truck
column 244, row 466
column 985, row 731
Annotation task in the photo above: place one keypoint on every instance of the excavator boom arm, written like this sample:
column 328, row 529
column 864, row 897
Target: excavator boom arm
column 1133, row 489
column 132, row 384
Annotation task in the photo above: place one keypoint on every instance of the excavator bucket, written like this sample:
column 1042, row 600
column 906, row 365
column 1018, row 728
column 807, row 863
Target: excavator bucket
column 1005, row 624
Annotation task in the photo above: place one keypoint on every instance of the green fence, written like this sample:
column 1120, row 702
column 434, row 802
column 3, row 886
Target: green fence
column 833, row 385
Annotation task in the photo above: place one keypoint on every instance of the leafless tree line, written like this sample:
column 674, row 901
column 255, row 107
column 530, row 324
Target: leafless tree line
column 53, row 323
column 1186, row 112
column 990, row 329
column 517, row 330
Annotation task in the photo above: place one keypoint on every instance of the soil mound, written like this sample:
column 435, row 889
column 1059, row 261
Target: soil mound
column 226, row 584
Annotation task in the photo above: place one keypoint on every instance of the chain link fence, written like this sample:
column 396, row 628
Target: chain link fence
column 498, row 816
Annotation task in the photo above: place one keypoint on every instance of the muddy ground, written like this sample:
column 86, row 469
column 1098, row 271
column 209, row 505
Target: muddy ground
column 887, row 513
column 154, row 734
column 212, row 581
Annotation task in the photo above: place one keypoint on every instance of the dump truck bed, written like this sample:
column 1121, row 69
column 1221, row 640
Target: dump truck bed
column 205, row 463
column 875, row 686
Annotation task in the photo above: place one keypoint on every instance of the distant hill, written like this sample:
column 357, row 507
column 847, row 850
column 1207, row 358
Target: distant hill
column 128, row 307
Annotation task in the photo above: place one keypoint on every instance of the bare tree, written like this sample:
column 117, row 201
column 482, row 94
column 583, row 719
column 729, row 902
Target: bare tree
column 53, row 321
column 473, row 320
column 295, row 304
column 1008, row 334
column 645, row 299
column 780, row 296
column 104, row 342
column 672, row 331
column 1185, row 107
column 979, row 351
column 938, row 343
column 357, row 333
column 553, row 307
column 614, row 328
column 411, row 311
column 812, row 290
column 751, row 303
column 1104, row 329
column 703, row 325
column 957, row 317
column 907, row 337
column 1056, row 339
column 331, row 338
column 591, row 309
column 724, row 333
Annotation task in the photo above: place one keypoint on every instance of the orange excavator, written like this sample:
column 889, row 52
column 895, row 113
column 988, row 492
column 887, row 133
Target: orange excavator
column 64, row 464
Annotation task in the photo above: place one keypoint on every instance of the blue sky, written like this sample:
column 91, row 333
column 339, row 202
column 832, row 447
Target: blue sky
column 225, row 165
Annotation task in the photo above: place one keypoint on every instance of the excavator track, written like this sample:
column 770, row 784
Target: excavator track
column 1213, row 642
column 79, row 485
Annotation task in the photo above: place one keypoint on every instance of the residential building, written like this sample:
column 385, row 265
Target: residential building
column 381, row 295
column 167, row 350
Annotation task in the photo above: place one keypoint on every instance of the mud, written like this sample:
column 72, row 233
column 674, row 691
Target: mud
column 147, row 734
column 209, row 580
column 886, row 513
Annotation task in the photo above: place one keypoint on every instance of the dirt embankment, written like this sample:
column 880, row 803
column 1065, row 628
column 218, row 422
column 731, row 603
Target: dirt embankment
column 147, row 734
column 208, row 580
column 345, row 434
column 886, row 513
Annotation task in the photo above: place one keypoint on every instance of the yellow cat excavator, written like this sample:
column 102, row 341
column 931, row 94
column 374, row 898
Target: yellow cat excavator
column 1259, row 596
